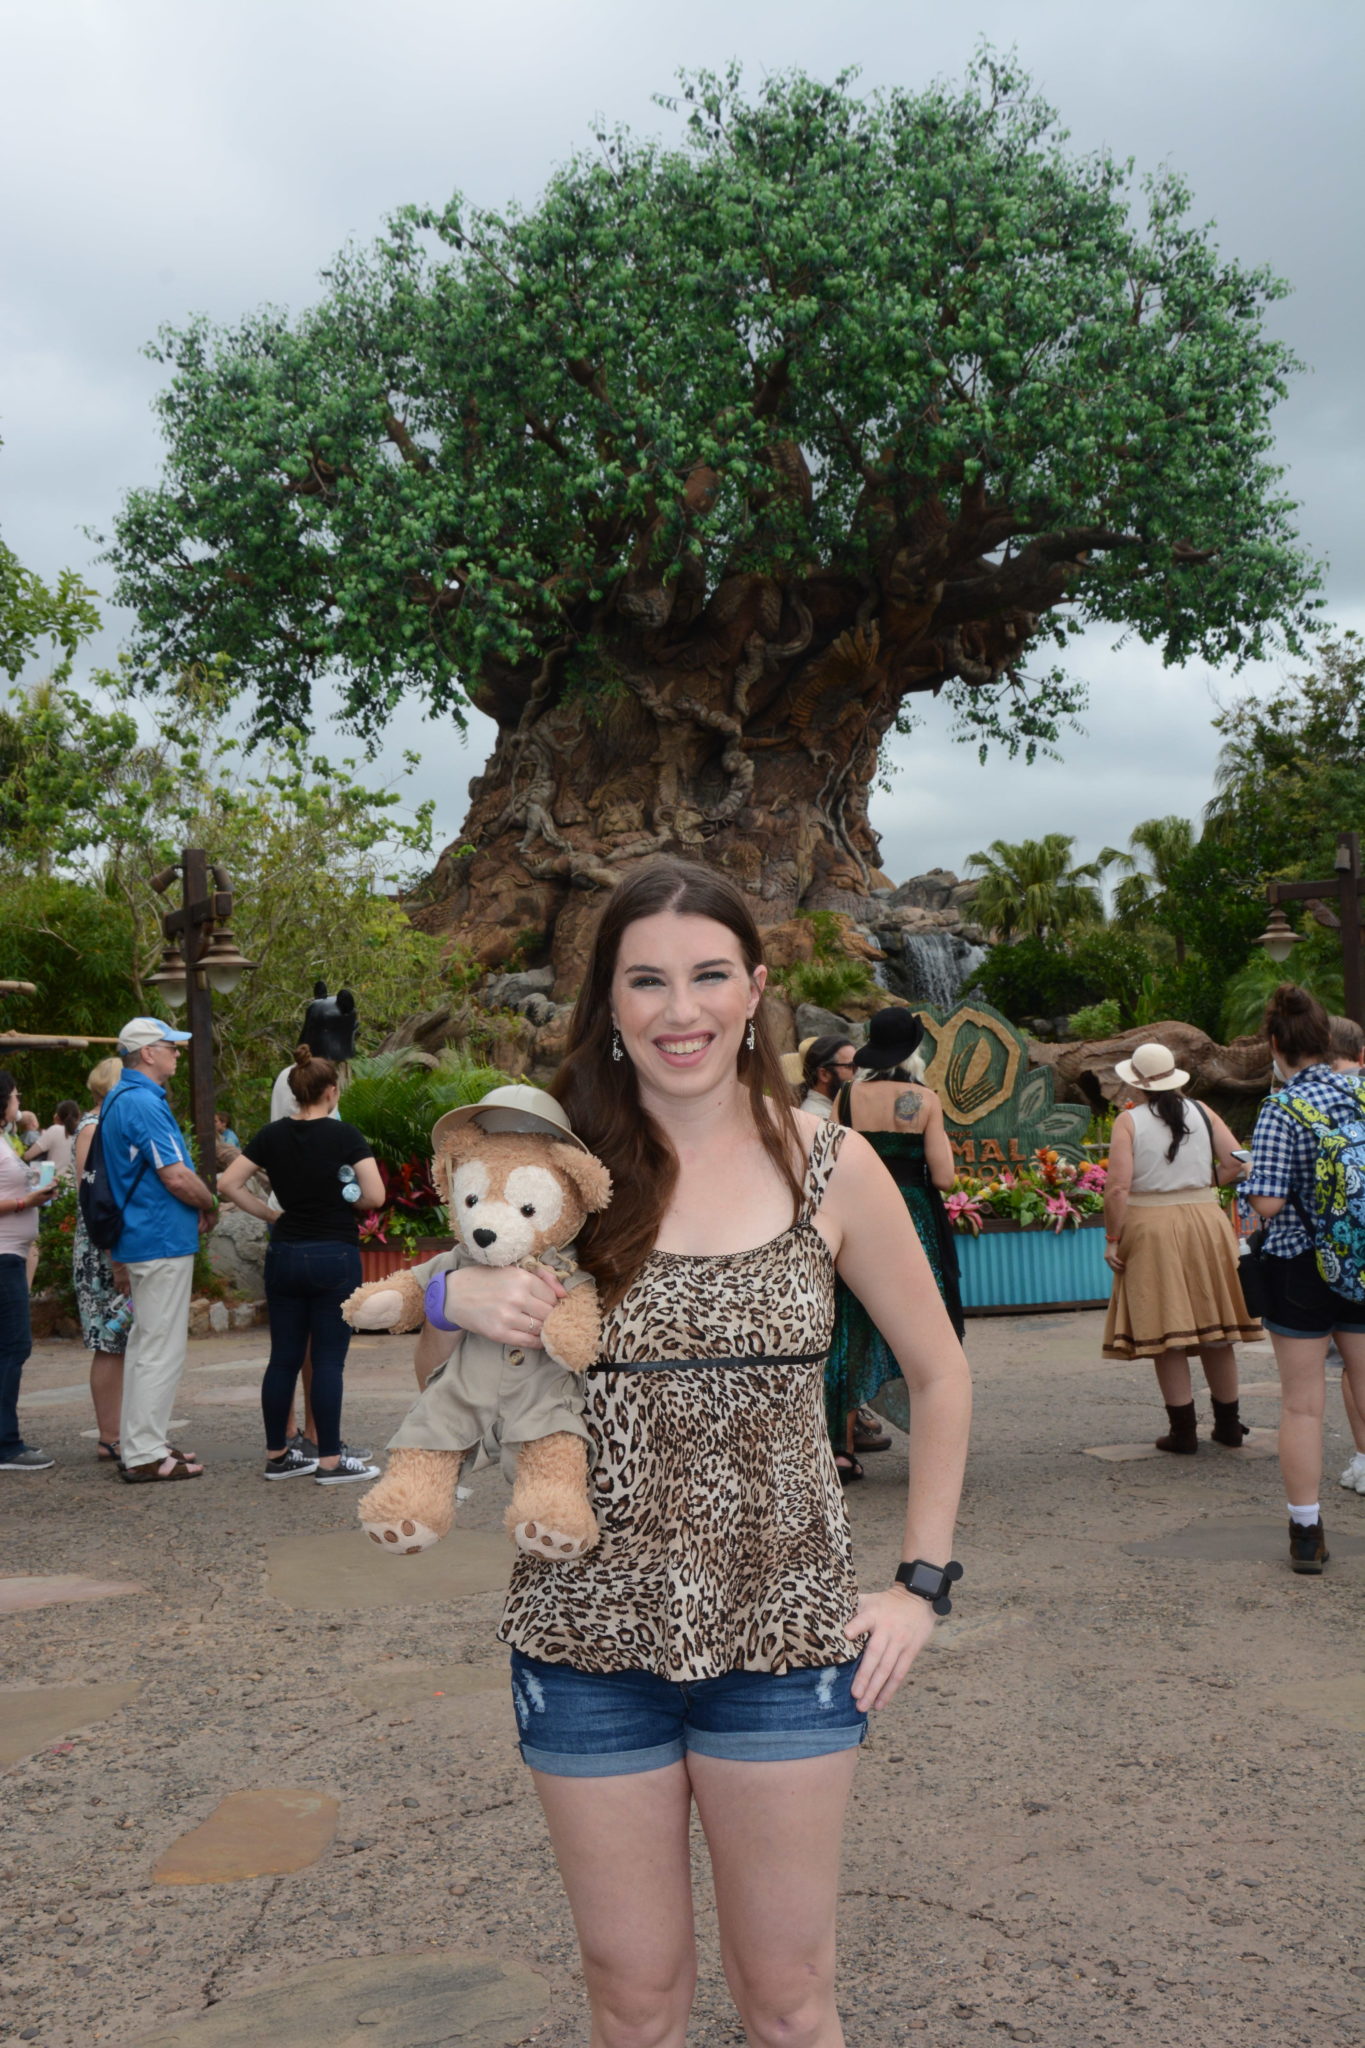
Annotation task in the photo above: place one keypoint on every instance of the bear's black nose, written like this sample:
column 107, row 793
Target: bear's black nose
column 485, row 1237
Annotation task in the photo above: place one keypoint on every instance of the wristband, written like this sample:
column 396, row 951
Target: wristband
column 434, row 1302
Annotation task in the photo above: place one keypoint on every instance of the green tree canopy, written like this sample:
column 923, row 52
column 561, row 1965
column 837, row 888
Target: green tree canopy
column 1156, row 848
column 907, row 340
column 1291, row 774
column 1033, row 888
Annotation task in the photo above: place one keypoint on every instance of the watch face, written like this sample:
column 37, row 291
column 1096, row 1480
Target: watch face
column 925, row 1579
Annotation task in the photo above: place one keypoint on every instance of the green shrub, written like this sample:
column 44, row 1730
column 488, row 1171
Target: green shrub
column 1096, row 1020
column 395, row 1098
column 829, row 984
column 1032, row 979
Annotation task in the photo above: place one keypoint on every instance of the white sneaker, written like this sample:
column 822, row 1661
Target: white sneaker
column 1353, row 1478
column 347, row 1467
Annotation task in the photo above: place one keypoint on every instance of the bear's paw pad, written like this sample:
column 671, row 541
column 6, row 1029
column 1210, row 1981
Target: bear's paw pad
column 538, row 1540
column 403, row 1538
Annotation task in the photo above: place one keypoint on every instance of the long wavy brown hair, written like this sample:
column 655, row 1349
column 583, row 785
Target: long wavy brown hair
column 602, row 1096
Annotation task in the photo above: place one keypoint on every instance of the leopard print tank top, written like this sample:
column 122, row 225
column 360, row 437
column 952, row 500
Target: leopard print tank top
column 724, row 1543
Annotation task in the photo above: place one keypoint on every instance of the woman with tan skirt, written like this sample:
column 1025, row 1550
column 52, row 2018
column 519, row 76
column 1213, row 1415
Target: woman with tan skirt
column 1171, row 1248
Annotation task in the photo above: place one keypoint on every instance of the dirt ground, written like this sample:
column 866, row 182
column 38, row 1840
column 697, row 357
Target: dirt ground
column 1118, row 1802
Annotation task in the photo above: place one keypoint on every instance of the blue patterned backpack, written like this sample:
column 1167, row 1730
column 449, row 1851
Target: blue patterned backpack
column 1337, row 1217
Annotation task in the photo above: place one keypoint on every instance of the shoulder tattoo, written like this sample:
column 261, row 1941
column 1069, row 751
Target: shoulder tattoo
column 908, row 1105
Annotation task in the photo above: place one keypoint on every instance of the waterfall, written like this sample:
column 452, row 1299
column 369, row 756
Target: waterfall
column 933, row 967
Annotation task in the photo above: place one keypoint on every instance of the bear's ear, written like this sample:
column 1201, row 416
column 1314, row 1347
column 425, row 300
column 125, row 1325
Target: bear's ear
column 588, row 1176
column 456, row 1146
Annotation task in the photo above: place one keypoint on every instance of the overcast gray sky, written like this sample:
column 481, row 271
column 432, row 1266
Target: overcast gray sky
column 161, row 159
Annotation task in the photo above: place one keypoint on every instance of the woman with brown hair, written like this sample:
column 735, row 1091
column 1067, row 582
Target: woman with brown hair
column 1302, row 1312
column 320, row 1171
column 1172, row 1250
column 714, row 1648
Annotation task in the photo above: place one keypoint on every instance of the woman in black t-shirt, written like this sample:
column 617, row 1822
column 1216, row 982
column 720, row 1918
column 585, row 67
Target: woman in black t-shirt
column 321, row 1171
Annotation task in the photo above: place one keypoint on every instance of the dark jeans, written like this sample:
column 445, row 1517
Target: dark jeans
column 16, row 1342
column 305, row 1285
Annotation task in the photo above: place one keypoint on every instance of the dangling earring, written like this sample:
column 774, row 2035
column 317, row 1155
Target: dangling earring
column 616, row 1051
column 749, row 1036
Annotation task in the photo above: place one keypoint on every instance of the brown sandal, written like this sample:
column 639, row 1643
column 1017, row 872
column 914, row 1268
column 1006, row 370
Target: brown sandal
column 142, row 1475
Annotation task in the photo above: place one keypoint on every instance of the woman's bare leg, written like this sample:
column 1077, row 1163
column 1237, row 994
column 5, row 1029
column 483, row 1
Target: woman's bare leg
column 106, row 1392
column 1303, row 1398
column 775, row 1831
column 1355, row 1408
column 623, row 1853
column 1220, row 1370
column 1173, row 1378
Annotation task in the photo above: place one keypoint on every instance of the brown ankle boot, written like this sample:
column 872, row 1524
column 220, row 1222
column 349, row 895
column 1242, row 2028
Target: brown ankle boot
column 1228, row 1426
column 1182, row 1435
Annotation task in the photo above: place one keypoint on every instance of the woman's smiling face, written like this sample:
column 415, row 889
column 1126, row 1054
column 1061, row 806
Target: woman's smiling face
column 682, row 998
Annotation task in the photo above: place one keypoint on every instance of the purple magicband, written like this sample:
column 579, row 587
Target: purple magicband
column 434, row 1302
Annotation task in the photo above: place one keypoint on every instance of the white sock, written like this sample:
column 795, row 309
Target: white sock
column 1307, row 1518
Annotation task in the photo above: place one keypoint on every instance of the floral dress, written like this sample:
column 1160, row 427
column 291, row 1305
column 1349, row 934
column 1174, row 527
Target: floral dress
column 102, row 1309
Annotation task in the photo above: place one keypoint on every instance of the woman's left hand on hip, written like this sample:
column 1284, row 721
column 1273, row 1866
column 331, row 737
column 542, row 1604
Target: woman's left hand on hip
column 897, row 1626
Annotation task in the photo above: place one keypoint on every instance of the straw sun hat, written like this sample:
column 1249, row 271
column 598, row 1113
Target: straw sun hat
column 1152, row 1067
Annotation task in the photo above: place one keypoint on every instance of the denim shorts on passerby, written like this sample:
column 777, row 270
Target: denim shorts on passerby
column 1299, row 1303
column 586, row 1724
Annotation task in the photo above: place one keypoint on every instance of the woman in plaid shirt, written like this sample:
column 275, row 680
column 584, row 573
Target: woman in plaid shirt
column 1302, row 1312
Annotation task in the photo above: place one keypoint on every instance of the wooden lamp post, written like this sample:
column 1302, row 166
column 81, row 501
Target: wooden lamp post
column 201, row 959
column 1279, row 940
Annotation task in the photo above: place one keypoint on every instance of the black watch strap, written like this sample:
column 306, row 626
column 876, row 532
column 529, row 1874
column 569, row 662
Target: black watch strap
column 930, row 1581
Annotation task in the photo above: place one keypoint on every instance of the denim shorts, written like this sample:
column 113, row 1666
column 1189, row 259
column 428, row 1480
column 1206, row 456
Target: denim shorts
column 1299, row 1303
column 585, row 1724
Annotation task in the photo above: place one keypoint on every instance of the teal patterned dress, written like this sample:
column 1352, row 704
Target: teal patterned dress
column 860, row 1360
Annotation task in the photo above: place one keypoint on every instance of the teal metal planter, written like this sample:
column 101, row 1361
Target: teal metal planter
column 1008, row 1271
column 1012, row 1272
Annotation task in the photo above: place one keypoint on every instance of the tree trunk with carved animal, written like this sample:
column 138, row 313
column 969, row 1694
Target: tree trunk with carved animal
column 748, row 740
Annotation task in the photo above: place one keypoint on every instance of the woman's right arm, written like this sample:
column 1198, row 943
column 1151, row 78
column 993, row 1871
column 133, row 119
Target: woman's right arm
column 232, row 1187
column 937, row 1149
column 1226, row 1167
column 1117, row 1187
column 84, row 1138
column 502, row 1302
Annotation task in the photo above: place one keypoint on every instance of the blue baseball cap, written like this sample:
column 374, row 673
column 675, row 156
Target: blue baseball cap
column 140, row 1031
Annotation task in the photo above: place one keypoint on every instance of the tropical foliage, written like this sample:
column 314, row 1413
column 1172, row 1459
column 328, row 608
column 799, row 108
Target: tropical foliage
column 91, row 806
column 1034, row 889
column 395, row 1098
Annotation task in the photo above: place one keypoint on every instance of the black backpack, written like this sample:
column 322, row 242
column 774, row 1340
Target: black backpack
column 101, row 1214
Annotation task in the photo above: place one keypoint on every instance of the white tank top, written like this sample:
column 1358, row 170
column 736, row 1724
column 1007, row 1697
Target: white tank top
column 1153, row 1172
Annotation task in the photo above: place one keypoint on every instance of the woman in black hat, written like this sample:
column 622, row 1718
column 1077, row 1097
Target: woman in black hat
column 902, row 1120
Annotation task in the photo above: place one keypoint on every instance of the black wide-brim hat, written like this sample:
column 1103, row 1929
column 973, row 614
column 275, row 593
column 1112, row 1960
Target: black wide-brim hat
column 893, row 1036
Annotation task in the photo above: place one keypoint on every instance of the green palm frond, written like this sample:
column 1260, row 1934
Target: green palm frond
column 395, row 1098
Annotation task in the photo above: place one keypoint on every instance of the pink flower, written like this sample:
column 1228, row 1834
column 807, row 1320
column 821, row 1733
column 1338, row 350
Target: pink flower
column 1092, row 1180
column 1058, row 1206
column 964, row 1212
column 1008, row 1180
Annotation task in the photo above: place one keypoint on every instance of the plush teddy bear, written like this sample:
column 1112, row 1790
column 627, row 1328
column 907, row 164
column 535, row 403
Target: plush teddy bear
column 518, row 1185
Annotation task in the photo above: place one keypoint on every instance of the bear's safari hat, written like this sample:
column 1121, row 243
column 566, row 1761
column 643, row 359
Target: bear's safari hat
column 1152, row 1067
column 517, row 1107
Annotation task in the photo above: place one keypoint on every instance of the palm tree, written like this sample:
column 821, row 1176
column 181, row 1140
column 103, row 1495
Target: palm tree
column 1031, row 889
column 1164, row 842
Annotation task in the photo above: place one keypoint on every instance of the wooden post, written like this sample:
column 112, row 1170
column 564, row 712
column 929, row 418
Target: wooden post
column 1348, row 897
column 199, row 1008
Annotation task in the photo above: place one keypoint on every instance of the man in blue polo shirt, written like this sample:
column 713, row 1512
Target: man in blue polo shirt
column 162, row 1200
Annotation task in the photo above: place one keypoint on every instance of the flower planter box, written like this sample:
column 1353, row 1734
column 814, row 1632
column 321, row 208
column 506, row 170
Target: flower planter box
column 1009, row 1271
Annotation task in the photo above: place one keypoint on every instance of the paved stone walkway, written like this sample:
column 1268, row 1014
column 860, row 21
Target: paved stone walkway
column 1118, row 1803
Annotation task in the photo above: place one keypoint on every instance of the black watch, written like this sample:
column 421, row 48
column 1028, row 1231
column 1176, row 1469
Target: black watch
column 930, row 1582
